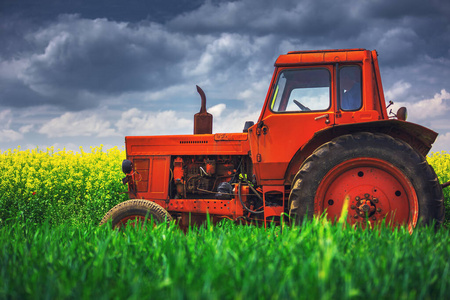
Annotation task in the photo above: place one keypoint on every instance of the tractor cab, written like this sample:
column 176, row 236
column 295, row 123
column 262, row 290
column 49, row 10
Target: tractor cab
column 313, row 92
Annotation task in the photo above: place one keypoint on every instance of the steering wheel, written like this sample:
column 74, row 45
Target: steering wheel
column 302, row 107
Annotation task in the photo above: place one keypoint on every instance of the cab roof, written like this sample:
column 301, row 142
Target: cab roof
column 322, row 56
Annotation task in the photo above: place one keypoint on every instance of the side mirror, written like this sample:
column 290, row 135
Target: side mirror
column 402, row 113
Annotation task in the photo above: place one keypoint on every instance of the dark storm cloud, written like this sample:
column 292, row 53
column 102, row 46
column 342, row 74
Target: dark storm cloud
column 401, row 8
column 16, row 94
column 79, row 54
column 403, row 30
column 75, row 61
column 102, row 56
column 309, row 19
column 117, row 10
column 12, row 30
column 73, row 57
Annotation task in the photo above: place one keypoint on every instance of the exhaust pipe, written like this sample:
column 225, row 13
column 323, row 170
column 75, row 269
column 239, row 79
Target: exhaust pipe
column 202, row 120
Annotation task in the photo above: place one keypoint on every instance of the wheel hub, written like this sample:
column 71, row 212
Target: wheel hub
column 365, row 207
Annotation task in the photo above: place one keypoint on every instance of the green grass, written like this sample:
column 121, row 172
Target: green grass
column 314, row 261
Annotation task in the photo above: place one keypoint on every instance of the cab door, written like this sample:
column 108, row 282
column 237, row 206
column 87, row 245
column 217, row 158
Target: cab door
column 299, row 105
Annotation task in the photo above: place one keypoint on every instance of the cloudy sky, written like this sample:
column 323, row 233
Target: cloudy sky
column 84, row 73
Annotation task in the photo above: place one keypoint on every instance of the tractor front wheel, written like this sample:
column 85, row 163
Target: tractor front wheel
column 136, row 212
column 374, row 176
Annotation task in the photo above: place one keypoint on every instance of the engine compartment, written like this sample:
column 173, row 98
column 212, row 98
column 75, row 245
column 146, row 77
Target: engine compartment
column 202, row 177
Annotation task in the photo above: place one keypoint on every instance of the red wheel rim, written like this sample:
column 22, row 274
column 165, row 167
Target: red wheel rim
column 375, row 189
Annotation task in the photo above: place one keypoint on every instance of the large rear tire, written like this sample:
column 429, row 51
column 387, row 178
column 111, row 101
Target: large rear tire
column 136, row 211
column 378, row 176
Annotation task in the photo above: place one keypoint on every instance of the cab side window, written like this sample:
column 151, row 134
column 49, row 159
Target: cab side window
column 302, row 90
column 350, row 87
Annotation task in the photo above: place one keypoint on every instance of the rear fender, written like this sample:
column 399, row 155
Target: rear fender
column 418, row 137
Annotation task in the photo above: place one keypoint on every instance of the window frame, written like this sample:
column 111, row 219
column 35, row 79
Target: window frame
column 360, row 85
column 275, row 90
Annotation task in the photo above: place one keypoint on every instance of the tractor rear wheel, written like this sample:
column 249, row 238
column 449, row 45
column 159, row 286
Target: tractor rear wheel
column 374, row 176
column 134, row 212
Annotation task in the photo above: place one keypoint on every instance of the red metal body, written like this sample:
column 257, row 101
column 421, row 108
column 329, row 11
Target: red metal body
column 184, row 173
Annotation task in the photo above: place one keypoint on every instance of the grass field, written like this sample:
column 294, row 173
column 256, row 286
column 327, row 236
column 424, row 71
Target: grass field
column 51, row 247
column 316, row 261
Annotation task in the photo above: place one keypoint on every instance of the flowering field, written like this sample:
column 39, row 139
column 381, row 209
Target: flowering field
column 60, row 186
column 440, row 161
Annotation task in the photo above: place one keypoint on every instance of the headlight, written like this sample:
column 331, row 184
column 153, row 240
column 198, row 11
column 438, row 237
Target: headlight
column 127, row 166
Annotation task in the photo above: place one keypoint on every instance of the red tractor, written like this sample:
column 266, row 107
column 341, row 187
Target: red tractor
column 324, row 142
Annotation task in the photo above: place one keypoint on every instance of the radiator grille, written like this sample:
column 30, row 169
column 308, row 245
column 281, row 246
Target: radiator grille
column 193, row 142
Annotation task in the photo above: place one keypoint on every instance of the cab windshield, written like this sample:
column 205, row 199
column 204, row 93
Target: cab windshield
column 302, row 90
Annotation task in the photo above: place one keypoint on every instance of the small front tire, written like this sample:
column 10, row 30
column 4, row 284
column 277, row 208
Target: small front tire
column 136, row 210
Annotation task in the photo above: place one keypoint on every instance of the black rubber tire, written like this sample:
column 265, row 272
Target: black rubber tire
column 139, row 208
column 379, row 146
